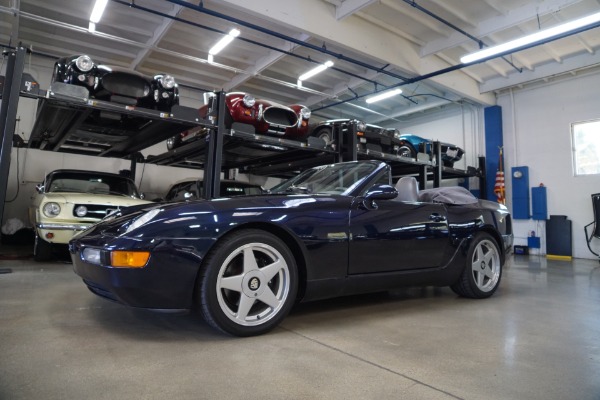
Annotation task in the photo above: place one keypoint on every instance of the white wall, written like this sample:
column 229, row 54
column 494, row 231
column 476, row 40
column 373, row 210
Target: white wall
column 460, row 125
column 537, row 133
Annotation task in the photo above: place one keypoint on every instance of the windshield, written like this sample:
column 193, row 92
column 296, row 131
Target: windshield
column 327, row 179
column 74, row 182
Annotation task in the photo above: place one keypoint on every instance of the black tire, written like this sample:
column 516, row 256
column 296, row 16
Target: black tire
column 326, row 135
column 483, row 268
column 173, row 142
column 42, row 250
column 406, row 150
column 243, row 272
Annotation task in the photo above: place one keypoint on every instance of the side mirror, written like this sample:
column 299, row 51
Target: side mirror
column 40, row 188
column 381, row 192
column 378, row 192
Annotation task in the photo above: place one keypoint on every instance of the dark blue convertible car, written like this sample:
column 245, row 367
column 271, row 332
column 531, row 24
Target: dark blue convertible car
column 333, row 230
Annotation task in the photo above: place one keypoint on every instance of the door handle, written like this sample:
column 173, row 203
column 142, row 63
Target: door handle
column 435, row 217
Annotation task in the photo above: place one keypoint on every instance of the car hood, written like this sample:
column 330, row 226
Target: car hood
column 86, row 198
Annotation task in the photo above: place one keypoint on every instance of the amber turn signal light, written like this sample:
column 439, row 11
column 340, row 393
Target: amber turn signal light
column 129, row 259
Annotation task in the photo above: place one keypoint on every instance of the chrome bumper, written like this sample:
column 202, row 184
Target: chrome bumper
column 65, row 227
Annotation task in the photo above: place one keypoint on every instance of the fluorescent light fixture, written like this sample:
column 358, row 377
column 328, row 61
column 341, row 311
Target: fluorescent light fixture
column 315, row 71
column 517, row 44
column 98, row 11
column 92, row 27
column 221, row 44
column 384, row 95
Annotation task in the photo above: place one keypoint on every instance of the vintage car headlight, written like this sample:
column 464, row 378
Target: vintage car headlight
column 145, row 218
column 249, row 100
column 81, row 211
column 51, row 209
column 305, row 113
column 84, row 63
column 167, row 81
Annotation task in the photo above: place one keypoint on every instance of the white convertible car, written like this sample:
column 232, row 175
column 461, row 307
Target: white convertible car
column 69, row 201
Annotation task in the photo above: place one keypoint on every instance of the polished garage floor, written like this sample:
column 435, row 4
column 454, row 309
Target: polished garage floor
column 537, row 338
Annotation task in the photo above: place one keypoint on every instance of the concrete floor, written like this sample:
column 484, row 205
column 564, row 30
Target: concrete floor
column 538, row 337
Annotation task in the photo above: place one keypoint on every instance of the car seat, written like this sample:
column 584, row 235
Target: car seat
column 408, row 189
column 595, row 233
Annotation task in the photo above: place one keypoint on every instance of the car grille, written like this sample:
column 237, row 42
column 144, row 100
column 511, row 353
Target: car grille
column 126, row 85
column 280, row 116
column 97, row 211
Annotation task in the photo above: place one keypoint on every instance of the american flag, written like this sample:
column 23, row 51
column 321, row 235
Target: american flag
column 499, row 185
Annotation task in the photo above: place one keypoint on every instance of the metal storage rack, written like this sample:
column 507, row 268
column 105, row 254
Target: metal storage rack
column 65, row 123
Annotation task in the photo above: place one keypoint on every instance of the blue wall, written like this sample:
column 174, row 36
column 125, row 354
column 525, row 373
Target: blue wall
column 493, row 140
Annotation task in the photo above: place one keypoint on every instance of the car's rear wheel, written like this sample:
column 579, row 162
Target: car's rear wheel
column 406, row 150
column 248, row 283
column 42, row 250
column 483, row 270
column 173, row 142
column 326, row 135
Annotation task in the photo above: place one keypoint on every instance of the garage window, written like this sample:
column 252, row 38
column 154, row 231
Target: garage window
column 586, row 147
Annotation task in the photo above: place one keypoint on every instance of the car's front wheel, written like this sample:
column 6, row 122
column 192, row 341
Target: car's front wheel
column 42, row 250
column 483, row 270
column 248, row 283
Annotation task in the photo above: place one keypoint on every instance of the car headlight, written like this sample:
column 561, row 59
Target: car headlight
column 249, row 100
column 305, row 113
column 51, row 209
column 84, row 63
column 144, row 219
column 167, row 81
column 81, row 211
column 361, row 126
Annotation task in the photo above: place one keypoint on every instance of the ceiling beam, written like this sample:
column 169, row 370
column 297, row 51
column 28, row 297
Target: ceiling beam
column 581, row 61
column 411, row 109
column 159, row 33
column 525, row 13
column 264, row 62
column 315, row 18
column 349, row 7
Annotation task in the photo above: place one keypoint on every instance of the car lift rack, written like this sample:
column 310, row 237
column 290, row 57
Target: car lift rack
column 63, row 124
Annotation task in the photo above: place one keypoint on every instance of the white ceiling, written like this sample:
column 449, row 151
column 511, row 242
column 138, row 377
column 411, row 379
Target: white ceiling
column 374, row 44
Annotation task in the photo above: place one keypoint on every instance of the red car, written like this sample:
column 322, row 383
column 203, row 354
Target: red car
column 267, row 117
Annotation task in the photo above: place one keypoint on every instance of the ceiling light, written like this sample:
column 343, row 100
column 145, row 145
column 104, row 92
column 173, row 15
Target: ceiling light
column 98, row 10
column 315, row 71
column 383, row 95
column 92, row 27
column 221, row 44
column 535, row 38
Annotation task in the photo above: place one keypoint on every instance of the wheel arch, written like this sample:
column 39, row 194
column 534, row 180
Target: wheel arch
column 295, row 246
column 497, row 238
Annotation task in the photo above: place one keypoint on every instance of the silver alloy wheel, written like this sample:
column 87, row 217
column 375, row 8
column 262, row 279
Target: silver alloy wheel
column 405, row 151
column 326, row 136
column 253, row 284
column 485, row 266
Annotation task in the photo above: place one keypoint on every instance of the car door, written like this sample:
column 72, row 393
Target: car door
column 396, row 235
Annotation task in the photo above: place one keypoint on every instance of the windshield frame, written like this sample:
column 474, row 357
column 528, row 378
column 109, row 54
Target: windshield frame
column 112, row 181
column 344, row 179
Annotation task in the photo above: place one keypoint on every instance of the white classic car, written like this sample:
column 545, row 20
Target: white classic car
column 69, row 201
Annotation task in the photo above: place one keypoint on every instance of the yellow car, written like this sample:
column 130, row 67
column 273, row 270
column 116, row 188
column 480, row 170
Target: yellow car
column 69, row 201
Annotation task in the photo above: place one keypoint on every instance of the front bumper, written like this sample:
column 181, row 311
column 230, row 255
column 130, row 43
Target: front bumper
column 166, row 282
column 61, row 233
